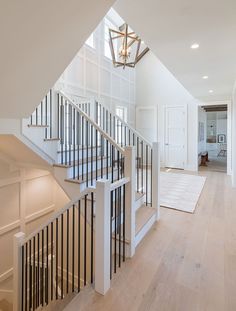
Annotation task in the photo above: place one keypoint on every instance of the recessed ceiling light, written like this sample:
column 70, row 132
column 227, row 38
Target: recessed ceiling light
column 195, row 46
column 205, row 77
column 210, row 91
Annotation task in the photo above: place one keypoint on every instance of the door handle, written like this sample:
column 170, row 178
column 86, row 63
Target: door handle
column 166, row 144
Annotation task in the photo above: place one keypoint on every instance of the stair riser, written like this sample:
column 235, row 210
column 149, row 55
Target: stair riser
column 90, row 167
column 75, row 155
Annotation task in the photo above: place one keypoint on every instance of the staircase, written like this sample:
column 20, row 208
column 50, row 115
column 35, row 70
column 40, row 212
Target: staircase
column 107, row 169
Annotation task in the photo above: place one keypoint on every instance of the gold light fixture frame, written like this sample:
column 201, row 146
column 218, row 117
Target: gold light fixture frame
column 128, row 40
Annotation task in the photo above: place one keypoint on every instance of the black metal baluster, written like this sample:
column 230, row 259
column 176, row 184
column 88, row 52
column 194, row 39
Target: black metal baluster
column 30, row 275
column 102, row 152
column 52, row 242
column 26, row 275
column 58, row 116
column 38, row 285
column 112, row 165
column 23, row 277
column 119, row 223
column 36, row 116
column 91, row 153
column 70, row 130
column 74, row 137
column 115, row 230
column 82, row 147
column 50, row 94
column 34, row 277
column 142, row 165
column 96, row 152
column 137, row 164
column 85, row 239
column 56, row 258
column 73, row 248
column 111, row 234
column 46, row 116
column 123, row 222
column 79, row 210
column 62, row 250
column 87, row 153
column 151, row 180
column 67, row 250
column 118, row 163
column 92, row 211
column 146, row 174
column 65, row 131
column 61, row 129
column 78, row 127
column 42, row 270
column 107, row 158
column 46, row 297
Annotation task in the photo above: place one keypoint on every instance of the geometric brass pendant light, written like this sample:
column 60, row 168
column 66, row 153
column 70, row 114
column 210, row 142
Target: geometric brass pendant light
column 126, row 47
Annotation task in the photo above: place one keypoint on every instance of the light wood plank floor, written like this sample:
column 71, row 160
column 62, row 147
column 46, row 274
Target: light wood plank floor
column 187, row 262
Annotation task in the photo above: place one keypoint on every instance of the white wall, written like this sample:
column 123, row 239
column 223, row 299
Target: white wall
column 27, row 198
column 92, row 74
column 38, row 40
column 157, row 88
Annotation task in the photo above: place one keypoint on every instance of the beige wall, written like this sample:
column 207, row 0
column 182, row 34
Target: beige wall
column 27, row 198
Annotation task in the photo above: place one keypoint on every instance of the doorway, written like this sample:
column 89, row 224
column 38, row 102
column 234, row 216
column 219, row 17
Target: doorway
column 175, row 137
column 213, row 137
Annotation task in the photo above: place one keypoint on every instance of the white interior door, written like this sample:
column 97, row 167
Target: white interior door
column 175, row 137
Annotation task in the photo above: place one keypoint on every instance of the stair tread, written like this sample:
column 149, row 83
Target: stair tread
column 34, row 125
column 52, row 139
column 80, row 181
column 80, row 148
column 90, row 159
column 143, row 214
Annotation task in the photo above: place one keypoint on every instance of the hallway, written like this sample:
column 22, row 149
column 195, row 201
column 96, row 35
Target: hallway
column 186, row 263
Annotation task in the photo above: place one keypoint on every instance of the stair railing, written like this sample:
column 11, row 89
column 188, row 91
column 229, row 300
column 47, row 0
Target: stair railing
column 58, row 258
column 84, row 146
column 124, row 135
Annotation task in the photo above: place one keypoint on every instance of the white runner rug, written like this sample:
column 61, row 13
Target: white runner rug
column 180, row 191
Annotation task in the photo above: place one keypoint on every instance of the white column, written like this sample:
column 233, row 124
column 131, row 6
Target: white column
column 17, row 270
column 156, row 178
column 102, row 237
column 130, row 199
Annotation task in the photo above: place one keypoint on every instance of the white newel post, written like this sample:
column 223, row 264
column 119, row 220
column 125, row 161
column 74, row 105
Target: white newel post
column 156, row 178
column 129, row 167
column 17, row 271
column 102, row 237
column 93, row 111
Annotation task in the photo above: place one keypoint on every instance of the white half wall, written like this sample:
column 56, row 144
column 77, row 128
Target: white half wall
column 157, row 88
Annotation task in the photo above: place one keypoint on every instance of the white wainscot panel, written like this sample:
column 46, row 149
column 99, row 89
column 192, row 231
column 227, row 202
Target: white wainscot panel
column 92, row 76
column 124, row 90
column 115, row 86
column 38, row 194
column 6, row 244
column 105, row 82
column 75, row 72
column 9, row 204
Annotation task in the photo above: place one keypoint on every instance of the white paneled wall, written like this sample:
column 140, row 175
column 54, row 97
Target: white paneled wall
column 91, row 74
column 27, row 198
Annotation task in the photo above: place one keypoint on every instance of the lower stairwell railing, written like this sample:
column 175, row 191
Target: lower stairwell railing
column 57, row 259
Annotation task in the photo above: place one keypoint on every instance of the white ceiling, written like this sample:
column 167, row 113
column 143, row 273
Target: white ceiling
column 170, row 27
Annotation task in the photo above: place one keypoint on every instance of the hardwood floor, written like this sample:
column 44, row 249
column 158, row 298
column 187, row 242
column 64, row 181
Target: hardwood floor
column 187, row 262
